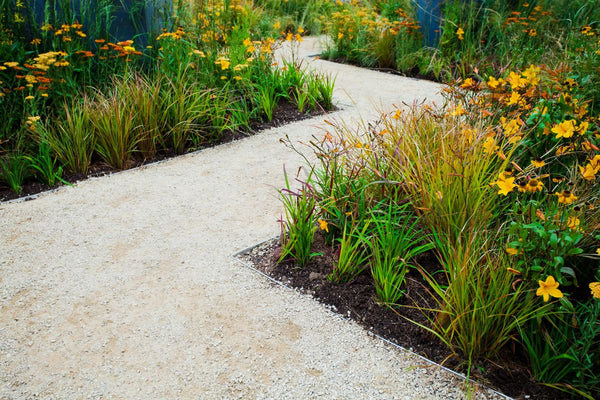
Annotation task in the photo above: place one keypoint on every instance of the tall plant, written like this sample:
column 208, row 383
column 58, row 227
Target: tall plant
column 298, row 229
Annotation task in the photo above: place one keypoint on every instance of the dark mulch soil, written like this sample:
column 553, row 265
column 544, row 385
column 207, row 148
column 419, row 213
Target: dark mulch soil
column 357, row 301
column 286, row 112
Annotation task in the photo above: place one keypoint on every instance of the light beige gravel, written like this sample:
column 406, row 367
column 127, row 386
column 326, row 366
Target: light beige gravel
column 124, row 287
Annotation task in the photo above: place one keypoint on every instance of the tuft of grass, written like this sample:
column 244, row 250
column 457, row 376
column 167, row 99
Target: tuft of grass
column 186, row 104
column 114, row 128
column 267, row 100
column 480, row 308
column 446, row 170
column 14, row 169
column 396, row 239
column 144, row 96
column 325, row 86
column 353, row 253
column 71, row 138
column 298, row 229
column 45, row 166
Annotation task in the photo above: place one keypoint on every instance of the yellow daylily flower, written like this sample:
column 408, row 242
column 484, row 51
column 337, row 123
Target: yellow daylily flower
column 531, row 74
column 565, row 129
column 548, row 288
column 468, row 83
column 516, row 80
column 583, row 127
column 511, row 127
column 588, row 172
column 490, row 145
column 459, row 110
column 505, row 184
column 323, row 225
column 515, row 98
column 494, row 83
column 538, row 163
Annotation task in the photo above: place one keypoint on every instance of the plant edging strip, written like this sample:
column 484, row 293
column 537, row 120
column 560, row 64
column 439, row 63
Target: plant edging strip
column 249, row 265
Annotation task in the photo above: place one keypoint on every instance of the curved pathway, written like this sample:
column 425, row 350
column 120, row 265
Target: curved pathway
column 124, row 287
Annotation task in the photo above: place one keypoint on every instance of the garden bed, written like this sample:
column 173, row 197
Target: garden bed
column 285, row 113
column 357, row 301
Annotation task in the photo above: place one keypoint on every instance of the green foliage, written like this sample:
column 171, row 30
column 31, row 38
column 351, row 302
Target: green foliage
column 545, row 243
column 45, row 166
column 353, row 253
column 325, row 85
column 396, row 239
column 241, row 115
column 298, row 229
column 14, row 169
column 300, row 98
column 563, row 348
column 267, row 100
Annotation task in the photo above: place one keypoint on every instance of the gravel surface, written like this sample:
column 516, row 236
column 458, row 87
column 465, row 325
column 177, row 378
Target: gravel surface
column 124, row 287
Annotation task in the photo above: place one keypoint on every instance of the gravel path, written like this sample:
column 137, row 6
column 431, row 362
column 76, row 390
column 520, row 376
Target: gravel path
column 124, row 287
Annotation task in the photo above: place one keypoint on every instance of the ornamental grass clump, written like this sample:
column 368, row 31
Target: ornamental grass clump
column 447, row 171
column 480, row 309
column 146, row 97
column 71, row 139
column 114, row 129
column 441, row 160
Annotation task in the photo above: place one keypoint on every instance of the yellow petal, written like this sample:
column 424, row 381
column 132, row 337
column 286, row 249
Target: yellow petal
column 555, row 293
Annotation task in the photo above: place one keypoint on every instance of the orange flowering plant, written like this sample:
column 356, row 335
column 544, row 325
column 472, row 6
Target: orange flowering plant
column 548, row 138
column 205, row 76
